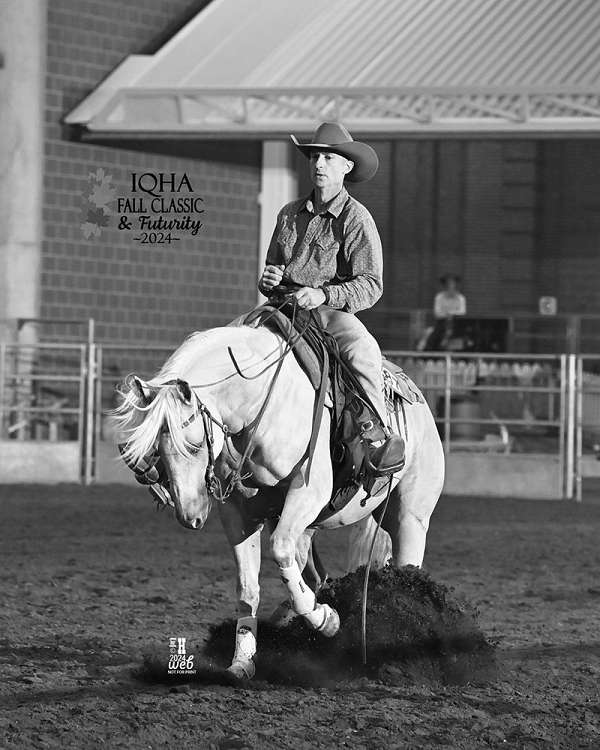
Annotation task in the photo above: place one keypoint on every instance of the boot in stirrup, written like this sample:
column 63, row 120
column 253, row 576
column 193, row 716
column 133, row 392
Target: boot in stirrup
column 385, row 457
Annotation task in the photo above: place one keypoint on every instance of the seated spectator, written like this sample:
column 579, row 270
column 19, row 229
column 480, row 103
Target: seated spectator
column 449, row 302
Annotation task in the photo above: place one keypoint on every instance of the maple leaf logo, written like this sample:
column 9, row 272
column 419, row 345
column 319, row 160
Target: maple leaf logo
column 95, row 205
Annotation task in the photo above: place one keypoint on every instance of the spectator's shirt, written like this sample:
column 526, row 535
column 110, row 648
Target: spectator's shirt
column 338, row 249
column 446, row 305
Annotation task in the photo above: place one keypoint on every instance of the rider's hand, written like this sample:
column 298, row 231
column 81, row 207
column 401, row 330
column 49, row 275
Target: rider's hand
column 271, row 277
column 309, row 298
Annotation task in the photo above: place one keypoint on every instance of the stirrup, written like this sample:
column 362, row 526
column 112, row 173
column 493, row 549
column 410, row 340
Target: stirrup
column 388, row 458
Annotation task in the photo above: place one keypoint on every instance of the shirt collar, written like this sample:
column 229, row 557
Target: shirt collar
column 334, row 207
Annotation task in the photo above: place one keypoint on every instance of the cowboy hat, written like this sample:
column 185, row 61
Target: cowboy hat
column 333, row 136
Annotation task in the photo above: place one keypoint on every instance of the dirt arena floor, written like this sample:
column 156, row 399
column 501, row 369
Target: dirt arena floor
column 94, row 578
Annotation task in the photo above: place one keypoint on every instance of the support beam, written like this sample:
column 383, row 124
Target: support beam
column 23, row 45
column 279, row 185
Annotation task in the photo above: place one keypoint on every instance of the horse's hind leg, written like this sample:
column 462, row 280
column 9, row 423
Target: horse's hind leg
column 314, row 572
column 407, row 516
column 403, row 531
column 245, row 544
column 407, row 530
column 360, row 541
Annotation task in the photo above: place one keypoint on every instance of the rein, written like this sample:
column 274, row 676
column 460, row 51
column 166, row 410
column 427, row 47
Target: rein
column 213, row 483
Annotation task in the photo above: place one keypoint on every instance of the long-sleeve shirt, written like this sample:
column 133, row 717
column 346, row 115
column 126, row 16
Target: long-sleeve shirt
column 338, row 249
column 447, row 304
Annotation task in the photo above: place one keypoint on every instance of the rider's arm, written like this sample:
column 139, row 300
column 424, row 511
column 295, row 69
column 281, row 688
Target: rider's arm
column 364, row 258
column 274, row 254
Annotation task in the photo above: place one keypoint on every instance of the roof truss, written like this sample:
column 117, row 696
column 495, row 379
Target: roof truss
column 260, row 112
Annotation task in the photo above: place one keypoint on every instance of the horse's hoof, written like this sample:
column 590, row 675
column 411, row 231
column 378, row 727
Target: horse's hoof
column 331, row 623
column 242, row 670
column 283, row 614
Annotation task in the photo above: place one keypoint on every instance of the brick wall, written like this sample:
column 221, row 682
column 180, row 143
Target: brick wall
column 516, row 219
column 569, row 255
column 138, row 293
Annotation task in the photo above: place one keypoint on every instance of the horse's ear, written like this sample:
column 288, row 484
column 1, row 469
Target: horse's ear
column 142, row 389
column 184, row 390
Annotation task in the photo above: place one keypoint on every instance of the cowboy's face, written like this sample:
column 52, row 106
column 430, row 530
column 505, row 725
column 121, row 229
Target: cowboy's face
column 327, row 170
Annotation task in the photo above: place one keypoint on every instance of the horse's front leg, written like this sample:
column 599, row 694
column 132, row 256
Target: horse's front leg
column 313, row 572
column 245, row 543
column 303, row 502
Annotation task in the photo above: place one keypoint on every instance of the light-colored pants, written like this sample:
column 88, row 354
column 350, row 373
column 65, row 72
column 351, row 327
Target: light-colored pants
column 360, row 351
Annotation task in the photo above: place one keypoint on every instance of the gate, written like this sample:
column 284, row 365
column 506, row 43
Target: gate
column 43, row 411
column 506, row 420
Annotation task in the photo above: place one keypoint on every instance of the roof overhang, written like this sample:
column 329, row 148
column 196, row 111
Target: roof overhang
column 263, row 68
column 253, row 112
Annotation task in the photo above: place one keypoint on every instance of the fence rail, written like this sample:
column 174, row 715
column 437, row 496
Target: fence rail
column 502, row 403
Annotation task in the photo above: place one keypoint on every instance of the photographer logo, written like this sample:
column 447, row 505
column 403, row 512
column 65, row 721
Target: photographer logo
column 180, row 662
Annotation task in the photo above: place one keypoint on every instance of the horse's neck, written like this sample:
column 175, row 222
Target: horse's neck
column 237, row 399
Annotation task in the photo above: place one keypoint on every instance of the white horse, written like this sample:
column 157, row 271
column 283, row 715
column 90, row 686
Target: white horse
column 203, row 418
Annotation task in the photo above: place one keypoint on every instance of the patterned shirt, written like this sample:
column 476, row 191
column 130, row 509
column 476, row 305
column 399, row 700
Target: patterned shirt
column 338, row 249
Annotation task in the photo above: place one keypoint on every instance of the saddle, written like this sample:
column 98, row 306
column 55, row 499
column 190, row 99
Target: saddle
column 318, row 355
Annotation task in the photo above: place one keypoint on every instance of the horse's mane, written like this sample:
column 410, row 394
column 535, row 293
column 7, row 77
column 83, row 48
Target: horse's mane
column 140, row 423
column 195, row 345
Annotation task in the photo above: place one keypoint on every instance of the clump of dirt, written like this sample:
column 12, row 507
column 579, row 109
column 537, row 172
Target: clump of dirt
column 416, row 632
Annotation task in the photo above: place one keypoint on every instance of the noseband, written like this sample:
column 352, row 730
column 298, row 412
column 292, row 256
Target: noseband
column 213, row 483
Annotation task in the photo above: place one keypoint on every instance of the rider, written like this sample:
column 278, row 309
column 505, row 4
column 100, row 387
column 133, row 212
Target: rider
column 326, row 248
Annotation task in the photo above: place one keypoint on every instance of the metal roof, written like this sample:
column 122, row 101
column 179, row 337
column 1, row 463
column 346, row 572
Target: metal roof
column 267, row 67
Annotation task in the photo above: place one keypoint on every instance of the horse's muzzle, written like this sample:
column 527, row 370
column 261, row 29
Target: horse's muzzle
column 190, row 519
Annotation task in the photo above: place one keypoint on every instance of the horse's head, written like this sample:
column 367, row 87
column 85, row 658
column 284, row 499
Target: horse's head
column 167, row 422
column 189, row 446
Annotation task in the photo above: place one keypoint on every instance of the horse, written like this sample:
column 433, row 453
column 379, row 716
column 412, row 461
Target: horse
column 237, row 437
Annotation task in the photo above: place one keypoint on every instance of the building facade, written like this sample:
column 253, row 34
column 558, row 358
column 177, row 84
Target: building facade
column 515, row 217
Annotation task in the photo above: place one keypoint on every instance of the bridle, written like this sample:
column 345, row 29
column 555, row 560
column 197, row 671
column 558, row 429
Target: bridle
column 150, row 471
column 213, row 483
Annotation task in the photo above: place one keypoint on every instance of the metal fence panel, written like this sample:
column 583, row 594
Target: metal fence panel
column 511, row 404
